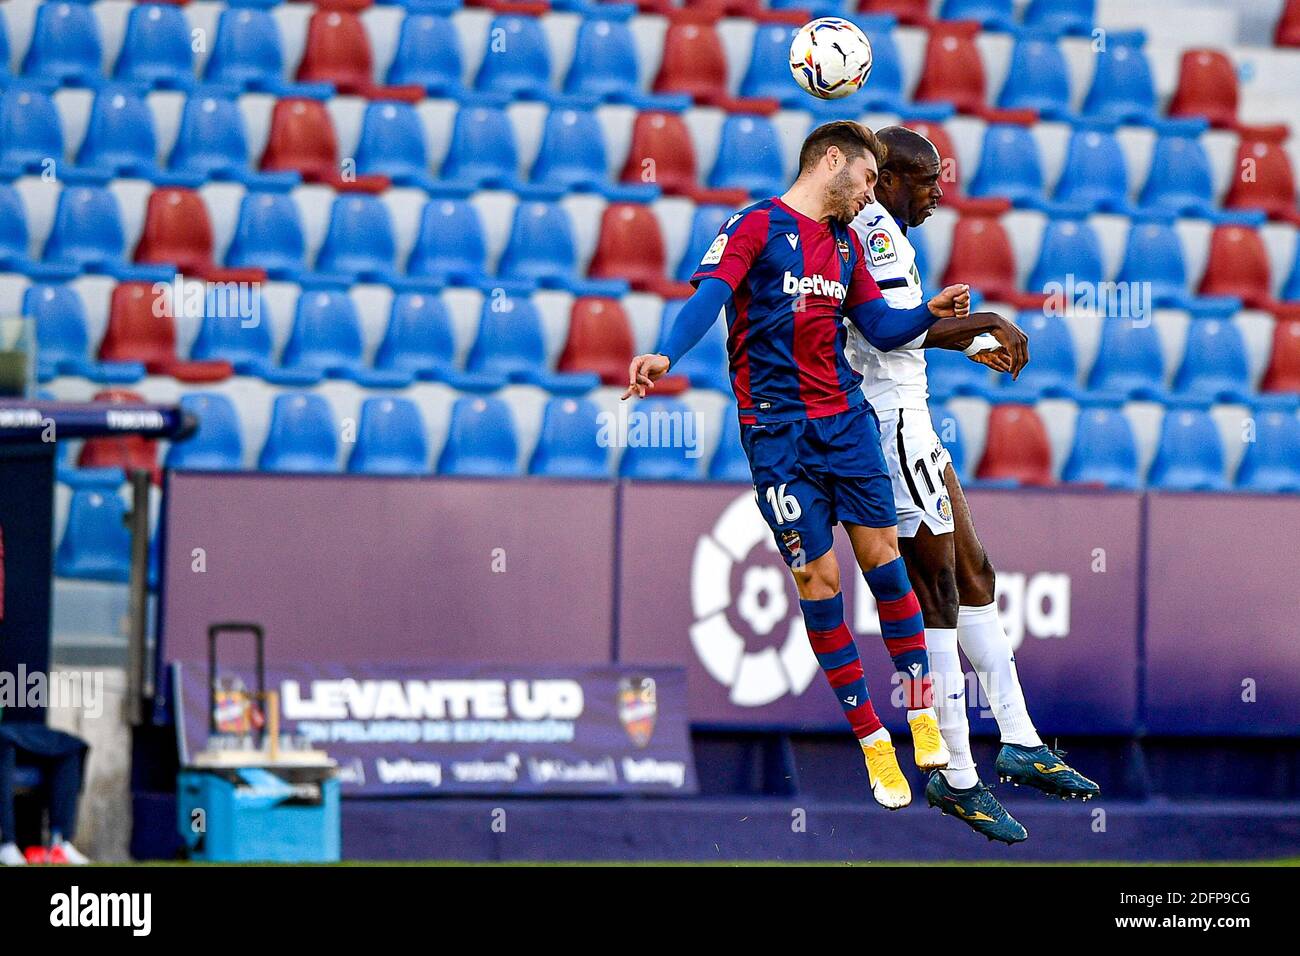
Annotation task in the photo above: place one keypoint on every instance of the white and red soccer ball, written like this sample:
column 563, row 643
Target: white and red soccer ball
column 830, row 58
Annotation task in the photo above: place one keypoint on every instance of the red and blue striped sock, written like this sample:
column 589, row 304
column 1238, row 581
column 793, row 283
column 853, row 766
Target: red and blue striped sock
column 832, row 642
column 903, row 630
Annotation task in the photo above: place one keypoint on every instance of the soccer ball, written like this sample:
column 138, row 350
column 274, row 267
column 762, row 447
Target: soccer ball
column 830, row 58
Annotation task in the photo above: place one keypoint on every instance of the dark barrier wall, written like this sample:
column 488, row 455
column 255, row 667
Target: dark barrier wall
column 346, row 570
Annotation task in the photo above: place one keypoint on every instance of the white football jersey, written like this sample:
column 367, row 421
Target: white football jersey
column 894, row 379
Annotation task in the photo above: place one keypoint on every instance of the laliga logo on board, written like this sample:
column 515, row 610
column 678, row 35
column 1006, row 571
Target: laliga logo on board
column 756, row 676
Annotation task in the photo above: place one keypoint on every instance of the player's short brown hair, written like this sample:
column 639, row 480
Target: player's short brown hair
column 853, row 140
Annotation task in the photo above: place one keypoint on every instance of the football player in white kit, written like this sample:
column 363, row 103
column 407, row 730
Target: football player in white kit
column 952, row 576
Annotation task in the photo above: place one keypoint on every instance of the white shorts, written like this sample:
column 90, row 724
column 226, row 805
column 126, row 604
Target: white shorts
column 917, row 461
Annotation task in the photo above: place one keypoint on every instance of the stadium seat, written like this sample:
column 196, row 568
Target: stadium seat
column 302, row 435
column 1208, row 87
column 141, row 328
column 1070, row 253
column 749, row 158
column 1053, row 369
column 1287, row 31
column 1104, row 452
column 302, row 140
column 338, row 52
column 418, row 340
column 1283, row 373
column 656, row 459
column 569, row 445
column 910, row 12
column 541, row 247
column 1037, row 77
column 993, row 14
column 87, row 230
column 390, row 439
column 449, row 245
column 572, row 153
column 1016, row 447
column 65, row 45
column 954, row 73
column 392, row 145
column 705, row 225
column 706, row 365
column 1154, row 255
column 236, row 327
column 948, row 429
column 428, row 56
column 1272, row 461
column 663, row 153
column 177, row 231
column 268, row 235
column 326, row 338
column 631, row 247
column 1238, row 265
column 211, row 141
column 481, row 439
column 359, row 242
column 1129, row 359
column 1061, row 16
column 1190, row 454
column 1122, row 90
column 156, row 48
column 31, row 137
column 517, row 61
column 1094, row 175
column 951, row 372
column 1009, row 166
column 14, row 237
column 600, row 340
column 695, row 63
column 509, row 341
column 63, row 339
column 119, row 138
column 247, row 51
column 96, row 544
column 482, row 152
column 982, row 256
column 217, row 444
column 1214, row 361
column 1264, row 179
column 768, row 70
column 125, row 452
column 1180, row 180
column 729, row 462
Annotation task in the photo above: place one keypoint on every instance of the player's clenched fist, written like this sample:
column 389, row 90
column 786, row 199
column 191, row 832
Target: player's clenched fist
column 952, row 302
column 644, row 371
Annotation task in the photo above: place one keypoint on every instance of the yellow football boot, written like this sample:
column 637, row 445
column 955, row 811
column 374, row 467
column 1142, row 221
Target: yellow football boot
column 931, row 751
column 888, row 785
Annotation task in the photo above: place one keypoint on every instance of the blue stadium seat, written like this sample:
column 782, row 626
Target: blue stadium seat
column 419, row 339
column 568, row 446
column 247, row 51
column 1061, row 16
column 450, row 244
column 1037, row 77
column 1291, row 291
column 482, row 150
column 704, row 228
column 664, row 455
column 1180, row 180
column 96, row 545
column 572, row 154
column 1009, row 165
column 604, row 61
column 1105, row 451
column 1272, row 461
column 63, row 344
column 211, row 141
column 87, row 231
column 769, row 66
column 1190, row 454
column 1053, row 369
column 30, row 134
column 749, row 157
column 224, row 333
column 481, row 439
column 517, row 60
column 1214, row 361
column 885, row 91
column 268, row 235
column 541, row 247
column 428, row 55
column 509, row 341
column 119, row 138
column 729, row 462
column 994, row 14
column 1129, row 359
column 1154, row 254
column 156, row 48
column 1122, row 90
column 706, row 365
column 13, row 231
column 359, row 242
column 952, row 372
column 392, row 144
column 1094, row 174
column 4, row 47
column 218, row 444
column 326, row 335
column 390, row 439
column 948, row 428
column 1069, row 248
column 302, row 435
column 65, row 45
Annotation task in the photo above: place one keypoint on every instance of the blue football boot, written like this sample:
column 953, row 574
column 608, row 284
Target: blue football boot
column 977, row 807
column 1043, row 768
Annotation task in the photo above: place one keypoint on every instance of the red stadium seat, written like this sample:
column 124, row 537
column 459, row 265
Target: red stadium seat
column 350, row 6
column 982, row 258
column 302, row 139
column 1283, row 374
column 631, row 247
column 912, row 12
column 1017, row 447
column 749, row 10
column 1207, row 86
column 600, row 340
column 177, row 231
column 338, row 52
column 1288, row 25
column 695, row 63
column 664, row 139
column 141, row 329
column 1238, row 265
column 128, row 452
column 1264, row 179
column 954, row 73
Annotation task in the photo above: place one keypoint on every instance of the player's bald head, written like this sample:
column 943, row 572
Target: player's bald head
column 906, row 150
column 909, row 177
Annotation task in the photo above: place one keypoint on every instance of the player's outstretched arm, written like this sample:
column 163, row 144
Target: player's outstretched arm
column 887, row 328
column 1011, row 353
column 697, row 315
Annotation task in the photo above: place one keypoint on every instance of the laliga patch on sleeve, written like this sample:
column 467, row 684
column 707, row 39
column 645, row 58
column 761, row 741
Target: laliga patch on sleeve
column 714, row 255
column 880, row 247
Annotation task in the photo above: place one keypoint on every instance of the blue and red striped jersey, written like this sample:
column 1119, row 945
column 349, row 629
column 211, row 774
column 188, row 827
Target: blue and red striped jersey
column 792, row 279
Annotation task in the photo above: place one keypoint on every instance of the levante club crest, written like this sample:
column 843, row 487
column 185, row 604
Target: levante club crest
column 638, row 706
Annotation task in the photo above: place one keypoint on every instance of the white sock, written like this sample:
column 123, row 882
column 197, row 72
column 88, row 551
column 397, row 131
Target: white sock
column 874, row 737
column 950, row 702
column 979, row 630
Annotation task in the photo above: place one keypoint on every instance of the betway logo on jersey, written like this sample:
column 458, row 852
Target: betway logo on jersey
column 813, row 285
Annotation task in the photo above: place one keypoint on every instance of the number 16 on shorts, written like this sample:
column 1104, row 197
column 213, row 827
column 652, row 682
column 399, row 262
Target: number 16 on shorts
column 782, row 512
column 785, row 506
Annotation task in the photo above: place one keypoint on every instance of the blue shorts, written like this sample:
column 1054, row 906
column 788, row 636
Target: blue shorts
column 812, row 474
